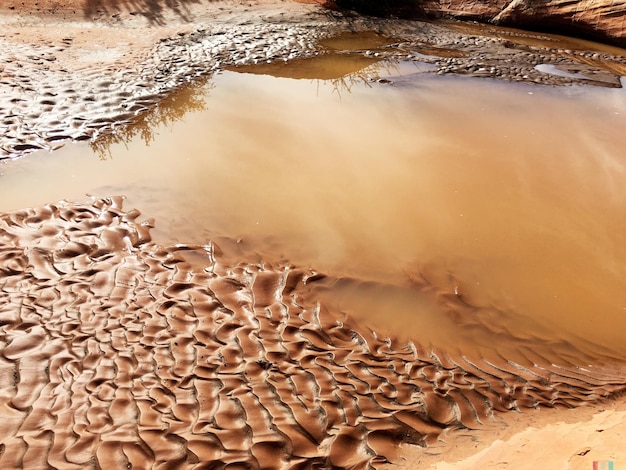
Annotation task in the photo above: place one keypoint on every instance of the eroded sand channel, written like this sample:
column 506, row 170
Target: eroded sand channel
column 480, row 218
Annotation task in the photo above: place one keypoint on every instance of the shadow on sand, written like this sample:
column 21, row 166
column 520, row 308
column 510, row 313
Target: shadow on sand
column 153, row 10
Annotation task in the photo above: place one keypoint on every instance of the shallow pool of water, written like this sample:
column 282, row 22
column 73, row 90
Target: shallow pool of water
column 457, row 212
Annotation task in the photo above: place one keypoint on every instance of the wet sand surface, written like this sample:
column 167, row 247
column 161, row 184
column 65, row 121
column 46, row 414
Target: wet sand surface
column 118, row 352
column 319, row 290
column 328, row 271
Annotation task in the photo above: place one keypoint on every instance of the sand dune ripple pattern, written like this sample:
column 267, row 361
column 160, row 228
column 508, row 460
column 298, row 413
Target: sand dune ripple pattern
column 116, row 352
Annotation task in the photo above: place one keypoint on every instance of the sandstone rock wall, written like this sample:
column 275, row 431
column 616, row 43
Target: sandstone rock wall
column 594, row 19
column 602, row 20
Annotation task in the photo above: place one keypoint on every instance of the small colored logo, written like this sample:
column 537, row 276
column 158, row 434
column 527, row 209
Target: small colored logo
column 603, row 465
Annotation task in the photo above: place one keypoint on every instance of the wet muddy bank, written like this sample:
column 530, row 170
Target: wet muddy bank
column 120, row 352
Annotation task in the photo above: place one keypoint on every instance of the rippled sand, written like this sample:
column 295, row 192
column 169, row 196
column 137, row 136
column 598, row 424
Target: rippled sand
column 117, row 351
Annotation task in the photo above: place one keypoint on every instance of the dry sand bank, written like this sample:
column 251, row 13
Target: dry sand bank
column 80, row 70
column 545, row 438
column 116, row 351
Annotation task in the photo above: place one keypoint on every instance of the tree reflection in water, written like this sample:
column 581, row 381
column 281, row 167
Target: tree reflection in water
column 172, row 108
column 341, row 71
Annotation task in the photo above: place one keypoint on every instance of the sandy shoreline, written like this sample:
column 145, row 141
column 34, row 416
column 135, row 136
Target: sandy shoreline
column 154, row 384
column 546, row 438
column 71, row 77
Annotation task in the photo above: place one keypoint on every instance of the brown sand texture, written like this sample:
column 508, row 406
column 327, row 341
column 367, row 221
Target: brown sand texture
column 116, row 352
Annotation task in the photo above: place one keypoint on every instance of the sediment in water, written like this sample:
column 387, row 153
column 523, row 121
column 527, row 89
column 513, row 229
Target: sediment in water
column 117, row 351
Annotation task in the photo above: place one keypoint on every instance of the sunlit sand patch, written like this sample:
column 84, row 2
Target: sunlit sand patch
column 117, row 351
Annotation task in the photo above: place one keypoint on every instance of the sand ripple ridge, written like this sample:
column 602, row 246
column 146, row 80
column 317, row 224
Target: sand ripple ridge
column 116, row 351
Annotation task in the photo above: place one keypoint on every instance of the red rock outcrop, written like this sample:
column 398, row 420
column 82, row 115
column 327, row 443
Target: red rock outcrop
column 594, row 19
column 602, row 20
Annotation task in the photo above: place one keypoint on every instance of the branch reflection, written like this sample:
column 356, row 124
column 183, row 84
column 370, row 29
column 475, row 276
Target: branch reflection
column 342, row 71
column 172, row 108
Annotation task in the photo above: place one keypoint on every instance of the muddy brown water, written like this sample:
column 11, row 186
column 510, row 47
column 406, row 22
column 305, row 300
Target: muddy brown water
column 472, row 215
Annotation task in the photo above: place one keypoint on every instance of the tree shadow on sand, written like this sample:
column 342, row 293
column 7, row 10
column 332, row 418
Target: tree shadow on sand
column 153, row 10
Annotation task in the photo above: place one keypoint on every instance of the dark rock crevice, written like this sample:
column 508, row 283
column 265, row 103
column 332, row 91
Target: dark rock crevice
column 602, row 20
